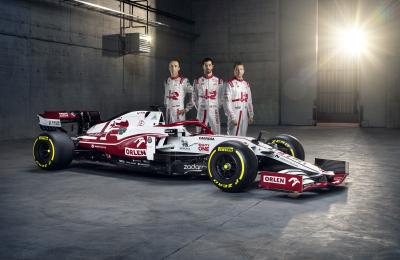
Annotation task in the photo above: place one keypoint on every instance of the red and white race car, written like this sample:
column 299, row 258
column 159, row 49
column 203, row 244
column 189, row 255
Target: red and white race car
column 143, row 141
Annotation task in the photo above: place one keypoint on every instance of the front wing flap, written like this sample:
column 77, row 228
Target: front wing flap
column 298, row 181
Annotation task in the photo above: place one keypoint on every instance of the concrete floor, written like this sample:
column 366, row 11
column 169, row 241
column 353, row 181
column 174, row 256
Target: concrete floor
column 101, row 212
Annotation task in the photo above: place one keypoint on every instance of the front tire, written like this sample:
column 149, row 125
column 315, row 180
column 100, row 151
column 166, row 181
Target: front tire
column 232, row 166
column 288, row 144
column 53, row 150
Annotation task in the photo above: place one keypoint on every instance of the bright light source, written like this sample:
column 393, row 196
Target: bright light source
column 145, row 37
column 352, row 41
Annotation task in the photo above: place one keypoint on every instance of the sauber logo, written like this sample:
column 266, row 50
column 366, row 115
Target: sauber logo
column 135, row 152
column 294, row 180
column 274, row 179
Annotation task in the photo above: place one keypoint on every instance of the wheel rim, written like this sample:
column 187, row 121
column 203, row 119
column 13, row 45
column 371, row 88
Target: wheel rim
column 226, row 167
column 285, row 149
column 43, row 152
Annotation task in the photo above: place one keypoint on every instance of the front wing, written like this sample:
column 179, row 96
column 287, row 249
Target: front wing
column 298, row 181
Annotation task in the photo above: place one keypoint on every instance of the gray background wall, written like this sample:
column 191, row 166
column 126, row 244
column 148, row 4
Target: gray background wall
column 298, row 61
column 247, row 31
column 52, row 57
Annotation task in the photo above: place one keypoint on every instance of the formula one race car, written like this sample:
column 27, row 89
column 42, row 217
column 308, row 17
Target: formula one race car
column 143, row 141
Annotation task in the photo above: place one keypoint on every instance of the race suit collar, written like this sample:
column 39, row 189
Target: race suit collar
column 174, row 77
column 208, row 77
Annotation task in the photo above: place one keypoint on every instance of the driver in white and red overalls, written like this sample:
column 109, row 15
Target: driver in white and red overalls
column 176, row 89
column 238, row 103
column 207, row 97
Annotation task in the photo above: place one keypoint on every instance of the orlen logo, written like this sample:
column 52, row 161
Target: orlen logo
column 294, row 180
column 135, row 152
column 204, row 147
column 139, row 141
column 274, row 179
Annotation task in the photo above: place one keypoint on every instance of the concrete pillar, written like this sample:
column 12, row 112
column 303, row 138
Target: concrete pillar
column 298, row 61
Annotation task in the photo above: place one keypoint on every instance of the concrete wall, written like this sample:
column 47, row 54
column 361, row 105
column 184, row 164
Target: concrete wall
column 53, row 59
column 298, row 56
column 393, row 68
column 380, row 81
column 247, row 31
column 276, row 42
column 390, row 14
column 379, row 70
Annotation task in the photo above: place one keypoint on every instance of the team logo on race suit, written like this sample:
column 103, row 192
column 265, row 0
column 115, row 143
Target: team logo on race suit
column 274, row 179
column 210, row 95
column 244, row 97
column 204, row 147
column 173, row 95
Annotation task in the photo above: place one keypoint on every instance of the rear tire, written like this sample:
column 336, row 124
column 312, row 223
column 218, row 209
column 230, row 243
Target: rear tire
column 232, row 166
column 288, row 144
column 53, row 150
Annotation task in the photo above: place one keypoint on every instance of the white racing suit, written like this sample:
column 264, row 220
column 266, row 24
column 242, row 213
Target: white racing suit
column 207, row 98
column 238, row 106
column 175, row 91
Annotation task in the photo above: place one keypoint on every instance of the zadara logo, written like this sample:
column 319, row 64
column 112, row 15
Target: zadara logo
column 192, row 167
column 135, row 152
column 274, row 179
column 204, row 147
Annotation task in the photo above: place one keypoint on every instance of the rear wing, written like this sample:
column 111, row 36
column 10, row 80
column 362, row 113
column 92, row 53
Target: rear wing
column 73, row 123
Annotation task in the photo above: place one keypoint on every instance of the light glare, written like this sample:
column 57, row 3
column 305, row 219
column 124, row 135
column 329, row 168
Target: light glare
column 352, row 41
